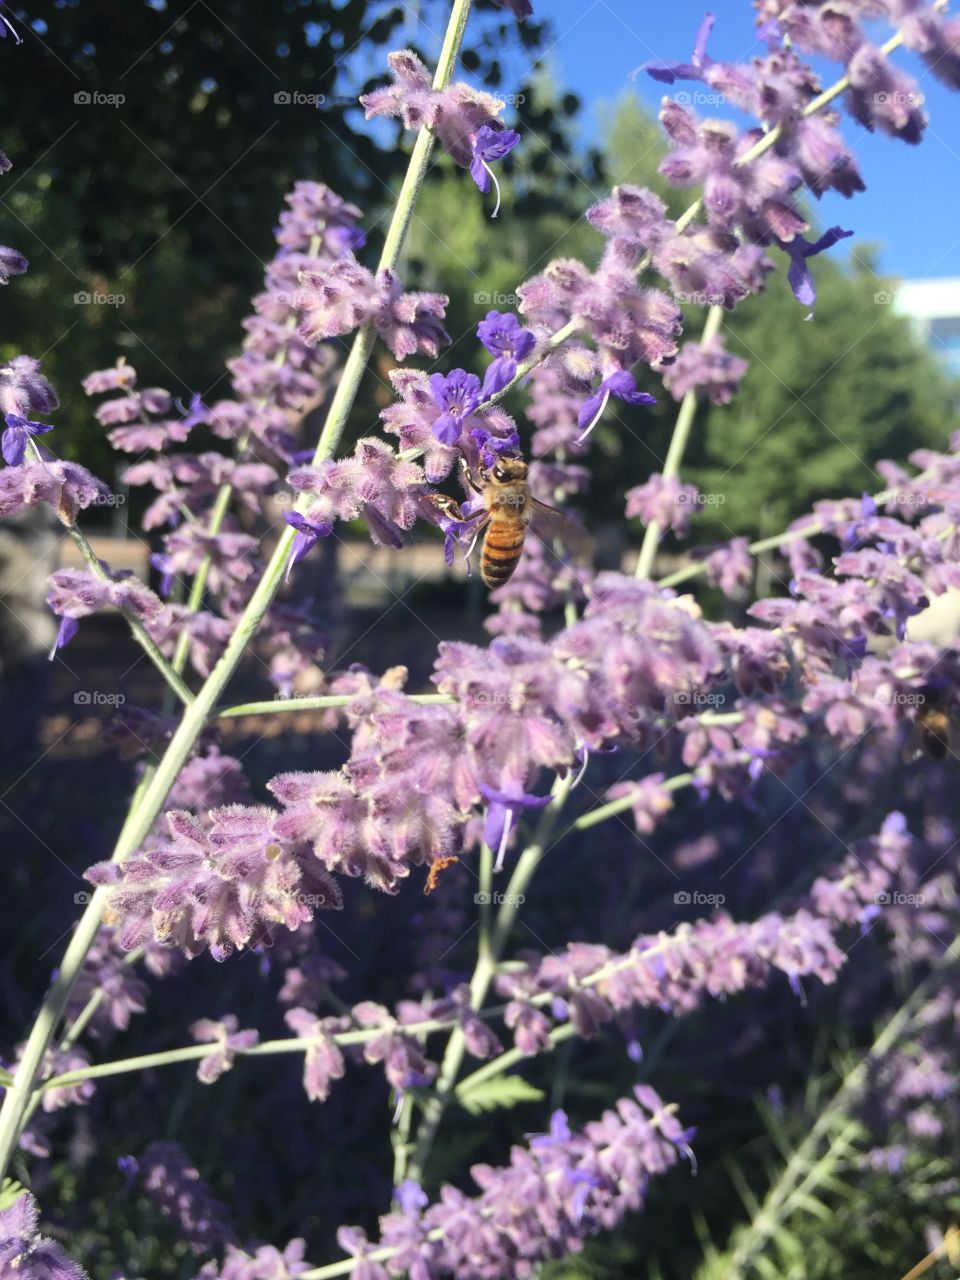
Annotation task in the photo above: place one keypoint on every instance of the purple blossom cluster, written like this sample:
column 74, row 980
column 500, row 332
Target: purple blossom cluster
column 465, row 121
column 523, row 724
column 24, row 1252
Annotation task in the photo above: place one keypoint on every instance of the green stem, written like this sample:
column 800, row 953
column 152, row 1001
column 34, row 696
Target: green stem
column 497, row 1066
column 141, row 634
column 678, row 444
column 622, row 803
column 141, row 820
column 768, row 1220
column 488, row 957
column 317, row 703
column 199, row 585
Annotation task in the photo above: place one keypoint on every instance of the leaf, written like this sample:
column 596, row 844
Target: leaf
column 10, row 1191
column 502, row 1092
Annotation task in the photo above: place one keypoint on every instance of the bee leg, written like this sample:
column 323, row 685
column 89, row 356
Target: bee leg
column 447, row 506
column 469, row 476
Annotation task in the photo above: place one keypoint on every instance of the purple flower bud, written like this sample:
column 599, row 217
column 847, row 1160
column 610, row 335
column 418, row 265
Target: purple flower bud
column 19, row 431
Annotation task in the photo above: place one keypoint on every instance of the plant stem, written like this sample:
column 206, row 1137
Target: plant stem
column 767, row 1221
column 141, row 819
column 169, row 673
column 676, row 450
column 319, row 702
column 488, row 957
column 509, row 1059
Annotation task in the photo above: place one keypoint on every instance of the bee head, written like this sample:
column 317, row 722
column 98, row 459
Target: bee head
column 505, row 470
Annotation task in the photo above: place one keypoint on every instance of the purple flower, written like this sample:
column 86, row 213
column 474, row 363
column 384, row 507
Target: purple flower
column 519, row 8
column 707, row 367
column 323, row 1062
column 503, row 808
column 164, row 566
column 12, row 261
column 491, row 447
column 7, row 26
column 663, row 500
column 76, row 593
column 799, row 250
column 695, row 69
column 411, row 1197
column 504, row 337
column 195, row 413
column 23, row 1251
column 308, row 533
column 457, row 394
column 24, row 389
column 19, row 431
column 621, row 384
column 225, row 1039
column 177, row 1189
column 492, row 142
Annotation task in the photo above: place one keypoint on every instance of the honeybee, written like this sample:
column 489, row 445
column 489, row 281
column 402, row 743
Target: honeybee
column 509, row 509
column 932, row 732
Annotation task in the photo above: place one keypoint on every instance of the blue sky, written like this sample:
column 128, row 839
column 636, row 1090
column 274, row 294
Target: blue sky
column 910, row 207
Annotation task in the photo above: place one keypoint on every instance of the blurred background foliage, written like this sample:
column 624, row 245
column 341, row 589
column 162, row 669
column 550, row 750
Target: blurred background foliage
column 169, row 199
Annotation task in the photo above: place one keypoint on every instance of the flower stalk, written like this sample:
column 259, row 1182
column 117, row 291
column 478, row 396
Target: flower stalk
column 148, row 808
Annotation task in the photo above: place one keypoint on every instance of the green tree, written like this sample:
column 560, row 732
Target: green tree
column 152, row 144
column 822, row 402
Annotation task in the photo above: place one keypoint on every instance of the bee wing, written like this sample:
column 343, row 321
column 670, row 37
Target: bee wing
column 551, row 525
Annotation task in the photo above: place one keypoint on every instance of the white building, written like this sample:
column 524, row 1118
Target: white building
column 934, row 307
